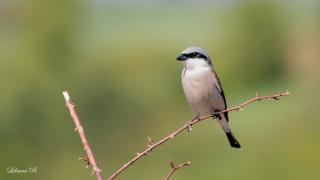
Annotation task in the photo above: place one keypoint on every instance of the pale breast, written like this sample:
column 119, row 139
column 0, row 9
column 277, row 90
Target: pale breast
column 200, row 90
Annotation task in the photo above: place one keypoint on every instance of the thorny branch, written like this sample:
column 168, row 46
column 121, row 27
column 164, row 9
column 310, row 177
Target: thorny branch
column 188, row 126
column 90, row 160
column 175, row 168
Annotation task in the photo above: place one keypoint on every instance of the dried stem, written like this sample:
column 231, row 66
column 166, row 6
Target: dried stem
column 188, row 127
column 90, row 160
column 175, row 168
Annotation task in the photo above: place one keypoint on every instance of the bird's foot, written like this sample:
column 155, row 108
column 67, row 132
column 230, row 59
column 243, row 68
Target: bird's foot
column 189, row 126
column 216, row 115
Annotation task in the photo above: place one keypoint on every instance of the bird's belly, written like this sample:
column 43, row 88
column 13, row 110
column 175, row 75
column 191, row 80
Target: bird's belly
column 201, row 93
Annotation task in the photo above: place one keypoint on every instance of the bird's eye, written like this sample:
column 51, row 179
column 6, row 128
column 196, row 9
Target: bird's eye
column 194, row 54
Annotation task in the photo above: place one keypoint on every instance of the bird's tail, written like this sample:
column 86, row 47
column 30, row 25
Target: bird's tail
column 225, row 126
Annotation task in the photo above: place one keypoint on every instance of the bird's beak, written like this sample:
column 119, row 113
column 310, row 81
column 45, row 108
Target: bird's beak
column 182, row 57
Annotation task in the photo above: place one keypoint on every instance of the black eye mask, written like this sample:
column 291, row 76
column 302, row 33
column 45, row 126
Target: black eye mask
column 195, row 55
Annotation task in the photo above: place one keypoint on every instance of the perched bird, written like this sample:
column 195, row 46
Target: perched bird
column 202, row 88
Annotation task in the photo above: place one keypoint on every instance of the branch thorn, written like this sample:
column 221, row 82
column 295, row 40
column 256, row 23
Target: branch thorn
column 86, row 160
column 150, row 141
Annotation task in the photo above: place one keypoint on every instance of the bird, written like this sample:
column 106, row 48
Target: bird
column 202, row 88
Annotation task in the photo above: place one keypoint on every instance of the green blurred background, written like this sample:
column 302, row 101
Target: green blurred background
column 117, row 60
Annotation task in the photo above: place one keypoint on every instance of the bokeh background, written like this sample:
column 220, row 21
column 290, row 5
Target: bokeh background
column 117, row 60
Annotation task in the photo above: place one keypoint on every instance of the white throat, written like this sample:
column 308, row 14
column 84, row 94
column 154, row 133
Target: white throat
column 196, row 64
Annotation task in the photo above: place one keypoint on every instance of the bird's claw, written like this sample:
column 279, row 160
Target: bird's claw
column 189, row 126
column 216, row 115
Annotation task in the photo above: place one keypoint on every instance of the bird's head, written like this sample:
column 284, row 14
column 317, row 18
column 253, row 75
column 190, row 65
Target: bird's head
column 193, row 57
